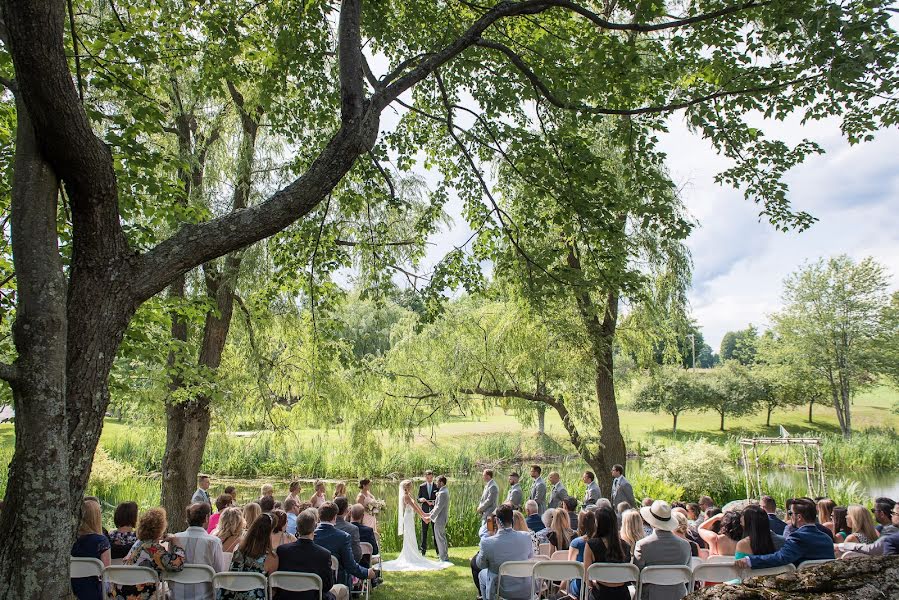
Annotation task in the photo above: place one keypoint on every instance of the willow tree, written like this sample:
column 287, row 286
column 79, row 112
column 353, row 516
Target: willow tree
column 717, row 60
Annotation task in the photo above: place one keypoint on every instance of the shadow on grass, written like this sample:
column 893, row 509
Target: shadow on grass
column 741, row 432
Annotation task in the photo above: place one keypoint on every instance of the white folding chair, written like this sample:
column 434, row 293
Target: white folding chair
column 720, row 559
column 190, row 574
column 607, row 573
column 664, row 575
column 811, row 563
column 369, row 550
column 546, row 549
column 559, row 555
column 556, row 570
column 240, row 582
column 116, row 561
column 335, row 566
column 294, row 582
column 520, row 569
column 718, row 572
column 85, row 567
column 695, row 561
column 130, row 575
column 770, row 571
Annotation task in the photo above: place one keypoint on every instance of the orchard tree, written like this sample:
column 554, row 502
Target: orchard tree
column 731, row 390
column 671, row 390
column 79, row 285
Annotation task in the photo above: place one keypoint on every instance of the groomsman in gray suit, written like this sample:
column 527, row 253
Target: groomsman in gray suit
column 622, row 491
column 558, row 493
column 538, row 489
column 439, row 515
column 593, row 493
column 515, row 495
column 490, row 497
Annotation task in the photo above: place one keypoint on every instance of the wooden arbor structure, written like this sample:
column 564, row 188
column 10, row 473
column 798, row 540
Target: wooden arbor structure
column 753, row 449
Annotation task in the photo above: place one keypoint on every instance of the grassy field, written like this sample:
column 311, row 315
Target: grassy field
column 449, row 584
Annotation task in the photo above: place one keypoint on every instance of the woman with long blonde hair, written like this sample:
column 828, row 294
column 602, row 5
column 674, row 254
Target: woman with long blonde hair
column 862, row 525
column 251, row 512
column 632, row 527
column 230, row 528
column 560, row 534
column 340, row 489
column 825, row 512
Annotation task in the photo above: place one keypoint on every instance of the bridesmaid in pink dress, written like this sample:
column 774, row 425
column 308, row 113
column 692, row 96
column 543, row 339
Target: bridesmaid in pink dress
column 364, row 498
column 318, row 498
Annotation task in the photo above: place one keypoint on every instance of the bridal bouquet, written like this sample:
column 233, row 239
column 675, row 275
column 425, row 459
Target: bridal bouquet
column 373, row 507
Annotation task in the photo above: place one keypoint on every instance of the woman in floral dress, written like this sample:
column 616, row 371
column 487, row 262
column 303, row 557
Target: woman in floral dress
column 254, row 555
column 148, row 551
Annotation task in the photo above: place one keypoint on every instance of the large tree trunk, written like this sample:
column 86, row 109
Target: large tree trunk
column 39, row 471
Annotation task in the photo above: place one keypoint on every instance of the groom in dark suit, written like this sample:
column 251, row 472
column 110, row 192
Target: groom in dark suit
column 427, row 496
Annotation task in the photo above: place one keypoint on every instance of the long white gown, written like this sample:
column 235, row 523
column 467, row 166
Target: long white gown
column 410, row 559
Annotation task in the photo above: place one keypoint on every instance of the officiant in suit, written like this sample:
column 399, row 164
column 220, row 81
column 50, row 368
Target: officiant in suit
column 427, row 497
column 439, row 516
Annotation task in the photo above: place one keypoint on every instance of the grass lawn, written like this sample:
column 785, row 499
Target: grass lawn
column 449, row 584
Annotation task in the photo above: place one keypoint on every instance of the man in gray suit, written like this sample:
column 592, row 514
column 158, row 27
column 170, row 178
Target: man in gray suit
column 593, row 493
column 490, row 497
column 538, row 489
column 505, row 545
column 621, row 488
column 559, row 493
column 515, row 495
column 661, row 548
column 439, row 515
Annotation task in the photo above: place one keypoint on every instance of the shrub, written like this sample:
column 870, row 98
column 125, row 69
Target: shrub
column 699, row 467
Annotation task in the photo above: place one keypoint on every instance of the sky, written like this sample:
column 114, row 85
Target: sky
column 740, row 260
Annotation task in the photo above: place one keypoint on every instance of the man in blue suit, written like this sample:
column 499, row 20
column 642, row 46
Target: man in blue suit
column 770, row 506
column 339, row 544
column 534, row 522
column 805, row 543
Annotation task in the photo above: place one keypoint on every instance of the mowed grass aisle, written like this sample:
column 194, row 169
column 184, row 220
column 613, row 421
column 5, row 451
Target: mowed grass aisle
column 449, row 584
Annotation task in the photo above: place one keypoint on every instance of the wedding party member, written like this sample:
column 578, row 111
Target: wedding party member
column 123, row 536
column 427, row 496
column 318, row 496
column 505, row 545
column 438, row 517
column 515, row 495
column 538, row 489
column 230, row 529
column 558, row 493
column 231, row 491
column 254, row 555
column 770, row 506
column 340, row 489
column 305, row 556
column 368, row 501
column 201, row 495
column 622, row 491
column 489, row 497
column 339, row 544
column 200, row 548
column 348, row 528
column 91, row 543
column 535, row 523
column 593, row 493
column 662, row 547
column 149, row 552
column 410, row 559
column 806, row 542
column 222, row 502
column 606, row 547
column 293, row 493
column 267, row 491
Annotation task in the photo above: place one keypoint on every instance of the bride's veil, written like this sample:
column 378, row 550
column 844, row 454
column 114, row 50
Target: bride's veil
column 401, row 509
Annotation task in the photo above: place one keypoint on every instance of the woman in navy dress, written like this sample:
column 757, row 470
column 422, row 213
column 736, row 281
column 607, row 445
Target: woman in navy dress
column 91, row 543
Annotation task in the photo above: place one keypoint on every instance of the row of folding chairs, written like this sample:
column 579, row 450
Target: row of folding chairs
column 717, row 571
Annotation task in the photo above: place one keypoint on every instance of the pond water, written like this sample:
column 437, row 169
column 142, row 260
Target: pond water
column 465, row 491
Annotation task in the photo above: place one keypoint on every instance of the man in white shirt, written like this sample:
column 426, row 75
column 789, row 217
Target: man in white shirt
column 200, row 548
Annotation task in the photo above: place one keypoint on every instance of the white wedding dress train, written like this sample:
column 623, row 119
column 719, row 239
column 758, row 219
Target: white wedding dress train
column 410, row 559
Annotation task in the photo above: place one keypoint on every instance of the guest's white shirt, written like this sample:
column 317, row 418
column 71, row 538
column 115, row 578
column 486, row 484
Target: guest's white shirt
column 200, row 548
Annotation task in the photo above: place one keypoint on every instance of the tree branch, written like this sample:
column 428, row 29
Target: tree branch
column 349, row 46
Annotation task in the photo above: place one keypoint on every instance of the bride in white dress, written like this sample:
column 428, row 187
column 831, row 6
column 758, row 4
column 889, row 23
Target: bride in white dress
column 410, row 559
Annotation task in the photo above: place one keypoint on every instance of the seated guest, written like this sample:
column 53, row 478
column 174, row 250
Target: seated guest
column 279, row 535
column 91, row 543
column 254, row 555
column 789, row 528
column 345, row 526
column 250, row 513
column 519, row 524
column 722, row 532
column 661, row 548
column 230, row 529
column 883, row 508
column 149, row 552
column 586, row 528
column 841, row 529
column 648, row 501
column 505, row 545
column 123, row 536
column 706, row 503
column 570, row 504
column 770, row 506
column 201, row 495
column 757, row 531
column 632, row 527
column 694, row 513
column 683, row 526
column 231, row 491
column 547, row 519
column 200, row 548
column 222, row 502
column 885, row 544
column 339, row 544
column 366, row 533
column 535, row 523
column 560, row 534
column 622, row 508
column 266, row 504
column 293, row 493
column 603, row 502
column 825, row 512
column 292, row 508
column 807, row 542
column 606, row 547
column 862, row 524
column 304, row 556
